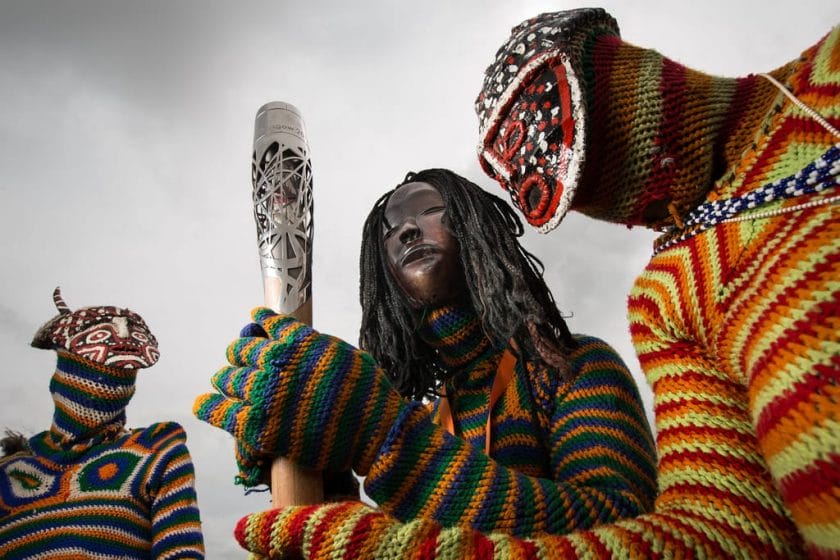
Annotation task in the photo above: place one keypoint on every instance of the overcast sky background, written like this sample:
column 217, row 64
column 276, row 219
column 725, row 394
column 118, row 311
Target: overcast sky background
column 125, row 137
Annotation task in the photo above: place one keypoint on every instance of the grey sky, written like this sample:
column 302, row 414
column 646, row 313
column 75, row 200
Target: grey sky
column 126, row 133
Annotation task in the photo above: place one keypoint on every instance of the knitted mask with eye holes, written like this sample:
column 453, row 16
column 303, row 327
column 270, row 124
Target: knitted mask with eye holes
column 532, row 112
column 107, row 335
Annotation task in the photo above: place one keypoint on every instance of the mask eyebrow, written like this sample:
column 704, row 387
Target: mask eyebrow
column 386, row 225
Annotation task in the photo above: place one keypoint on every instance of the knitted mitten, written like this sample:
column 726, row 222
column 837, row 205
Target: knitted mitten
column 296, row 393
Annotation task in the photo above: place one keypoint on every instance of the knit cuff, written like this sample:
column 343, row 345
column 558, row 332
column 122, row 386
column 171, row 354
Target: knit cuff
column 421, row 466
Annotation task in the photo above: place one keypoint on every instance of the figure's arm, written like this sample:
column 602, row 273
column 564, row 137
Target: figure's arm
column 602, row 460
column 176, row 526
column 716, row 499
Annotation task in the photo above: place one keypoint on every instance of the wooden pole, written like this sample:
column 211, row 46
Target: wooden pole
column 290, row 483
column 282, row 193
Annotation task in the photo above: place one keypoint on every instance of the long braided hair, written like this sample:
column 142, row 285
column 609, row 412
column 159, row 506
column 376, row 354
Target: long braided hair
column 504, row 281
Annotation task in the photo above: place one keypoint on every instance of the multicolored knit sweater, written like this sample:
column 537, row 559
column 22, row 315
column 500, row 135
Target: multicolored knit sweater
column 91, row 489
column 736, row 324
column 564, row 455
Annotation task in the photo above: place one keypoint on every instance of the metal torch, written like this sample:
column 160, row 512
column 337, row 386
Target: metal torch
column 281, row 175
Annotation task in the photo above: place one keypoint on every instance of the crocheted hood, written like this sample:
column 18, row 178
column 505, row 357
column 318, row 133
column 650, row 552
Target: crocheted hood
column 99, row 352
column 572, row 117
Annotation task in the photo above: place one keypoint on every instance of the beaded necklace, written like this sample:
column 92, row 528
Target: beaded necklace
column 818, row 176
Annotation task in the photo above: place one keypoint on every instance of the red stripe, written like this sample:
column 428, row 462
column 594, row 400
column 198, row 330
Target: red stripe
column 678, row 492
column 482, row 547
column 719, row 409
column 601, row 551
column 361, row 536
column 678, row 526
column 428, row 545
column 326, row 528
column 727, row 533
column 710, row 458
column 821, row 477
column 296, row 525
column 810, row 383
column 784, row 405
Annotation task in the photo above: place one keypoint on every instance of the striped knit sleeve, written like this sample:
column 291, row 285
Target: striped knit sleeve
column 170, row 480
column 602, row 457
column 601, row 446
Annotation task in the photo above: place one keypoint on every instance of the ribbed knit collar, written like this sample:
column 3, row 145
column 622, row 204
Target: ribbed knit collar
column 90, row 401
column 660, row 133
column 455, row 332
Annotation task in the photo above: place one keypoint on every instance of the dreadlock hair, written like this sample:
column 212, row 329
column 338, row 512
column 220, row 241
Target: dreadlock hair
column 504, row 281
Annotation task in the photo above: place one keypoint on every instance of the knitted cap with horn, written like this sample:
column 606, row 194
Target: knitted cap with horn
column 99, row 351
column 573, row 118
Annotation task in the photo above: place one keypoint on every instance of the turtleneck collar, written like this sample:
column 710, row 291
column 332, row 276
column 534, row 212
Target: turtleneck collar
column 660, row 134
column 455, row 332
column 90, row 401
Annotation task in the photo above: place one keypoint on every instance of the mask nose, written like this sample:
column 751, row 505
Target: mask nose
column 409, row 232
column 121, row 323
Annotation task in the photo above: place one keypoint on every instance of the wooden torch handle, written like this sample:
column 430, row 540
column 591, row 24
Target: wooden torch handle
column 290, row 483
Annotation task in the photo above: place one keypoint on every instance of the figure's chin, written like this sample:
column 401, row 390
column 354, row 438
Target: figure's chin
column 129, row 361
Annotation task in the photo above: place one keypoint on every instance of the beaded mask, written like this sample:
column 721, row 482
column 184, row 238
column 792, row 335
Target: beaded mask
column 107, row 335
column 532, row 112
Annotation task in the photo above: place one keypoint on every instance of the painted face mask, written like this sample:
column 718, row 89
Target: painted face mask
column 532, row 112
column 100, row 350
column 107, row 335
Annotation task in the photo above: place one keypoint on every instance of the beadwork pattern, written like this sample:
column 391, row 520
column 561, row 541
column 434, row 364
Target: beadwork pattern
column 818, row 176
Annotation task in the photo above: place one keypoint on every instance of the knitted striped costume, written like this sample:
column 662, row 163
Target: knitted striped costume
column 565, row 455
column 88, row 488
column 117, row 494
column 736, row 325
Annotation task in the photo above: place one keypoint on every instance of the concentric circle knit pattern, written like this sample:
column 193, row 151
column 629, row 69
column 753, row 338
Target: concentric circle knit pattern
column 91, row 489
column 132, row 497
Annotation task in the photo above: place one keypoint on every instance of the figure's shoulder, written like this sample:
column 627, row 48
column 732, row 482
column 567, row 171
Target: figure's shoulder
column 815, row 74
column 158, row 435
column 826, row 52
column 592, row 348
column 595, row 360
column 592, row 361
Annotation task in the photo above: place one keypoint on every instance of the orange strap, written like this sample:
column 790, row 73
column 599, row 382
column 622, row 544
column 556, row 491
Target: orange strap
column 504, row 373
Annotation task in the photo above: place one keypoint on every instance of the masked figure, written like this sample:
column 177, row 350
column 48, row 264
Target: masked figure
column 515, row 425
column 736, row 317
column 88, row 487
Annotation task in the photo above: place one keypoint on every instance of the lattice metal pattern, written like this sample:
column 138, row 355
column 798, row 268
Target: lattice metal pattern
column 282, row 195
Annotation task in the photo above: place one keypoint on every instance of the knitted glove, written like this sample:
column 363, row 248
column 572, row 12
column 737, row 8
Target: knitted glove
column 293, row 392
